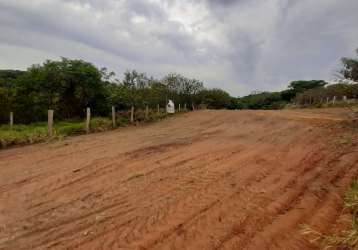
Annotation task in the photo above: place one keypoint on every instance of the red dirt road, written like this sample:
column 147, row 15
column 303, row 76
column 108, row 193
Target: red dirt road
column 201, row 180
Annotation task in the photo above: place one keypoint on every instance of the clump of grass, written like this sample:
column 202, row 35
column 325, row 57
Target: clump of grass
column 99, row 124
column 349, row 238
column 71, row 127
column 351, row 200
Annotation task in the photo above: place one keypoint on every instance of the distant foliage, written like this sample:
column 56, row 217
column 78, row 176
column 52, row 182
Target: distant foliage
column 324, row 94
column 264, row 100
column 307, row 93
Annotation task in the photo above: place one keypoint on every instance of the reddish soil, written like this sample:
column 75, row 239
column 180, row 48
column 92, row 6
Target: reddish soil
column 200, row 180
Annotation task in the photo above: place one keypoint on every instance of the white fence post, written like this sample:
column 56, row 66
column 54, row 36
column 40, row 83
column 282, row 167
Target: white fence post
column 50, row 122
column 11, row 119
column 132, row 114
column 113, row 116
column 179, row 107
column 146, row 112
column 88, row 119
column 334, row 100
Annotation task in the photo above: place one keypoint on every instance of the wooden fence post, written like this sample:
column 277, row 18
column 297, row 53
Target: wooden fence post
column 192, row 105
column 132, row 114
column 158, row 108
column 334, row 100
column 88, row 119
column 185, row 106
column 11, row 119
column 146, row 112
column 113, row 116
column 179, row 107
column 50, row 122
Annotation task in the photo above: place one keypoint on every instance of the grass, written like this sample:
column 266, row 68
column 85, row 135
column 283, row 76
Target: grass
column 347, row 239
column 37, row 132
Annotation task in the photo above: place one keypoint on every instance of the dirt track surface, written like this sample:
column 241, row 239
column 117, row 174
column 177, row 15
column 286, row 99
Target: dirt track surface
column 200, row 180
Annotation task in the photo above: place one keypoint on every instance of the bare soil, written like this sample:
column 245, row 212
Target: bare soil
column 200, row 180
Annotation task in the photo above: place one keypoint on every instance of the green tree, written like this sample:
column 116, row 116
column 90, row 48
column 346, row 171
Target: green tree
column 350, row 68
column 67, row 86
column 7, row 92
column 301, row 86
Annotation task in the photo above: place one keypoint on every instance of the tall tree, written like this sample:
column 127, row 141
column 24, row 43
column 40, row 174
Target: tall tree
column 350, row 68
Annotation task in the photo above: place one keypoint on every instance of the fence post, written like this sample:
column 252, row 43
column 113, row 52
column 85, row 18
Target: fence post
column 132, row 114
column 192, row 105
column 185, row 106
column 113, row 116
column 334, row 100
column 158, row 108
column 49, row 122
column 88, row 118
column 327, row 100
column 345, row 98
column 179, row 107
column 11, row 119
column 146, row 112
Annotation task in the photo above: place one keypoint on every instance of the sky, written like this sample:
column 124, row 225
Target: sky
column 237, row 45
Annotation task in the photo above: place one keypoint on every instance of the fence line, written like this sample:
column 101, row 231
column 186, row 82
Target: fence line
column 87, row 125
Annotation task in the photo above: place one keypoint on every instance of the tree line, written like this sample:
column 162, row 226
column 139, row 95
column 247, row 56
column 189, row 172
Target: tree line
column 69, row 86
column 306, row 93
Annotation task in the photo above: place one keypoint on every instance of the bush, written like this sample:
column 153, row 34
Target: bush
column 98, row 124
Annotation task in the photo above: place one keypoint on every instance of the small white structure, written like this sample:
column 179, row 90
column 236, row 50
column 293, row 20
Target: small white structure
column 170, row 107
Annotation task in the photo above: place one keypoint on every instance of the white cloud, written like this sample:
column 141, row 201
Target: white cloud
column 239, row 45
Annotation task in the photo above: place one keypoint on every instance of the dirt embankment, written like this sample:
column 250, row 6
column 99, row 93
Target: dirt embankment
column 202, row 180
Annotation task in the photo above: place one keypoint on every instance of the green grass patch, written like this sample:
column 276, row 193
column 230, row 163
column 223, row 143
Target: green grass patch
column 22, row 134
column 37, row 132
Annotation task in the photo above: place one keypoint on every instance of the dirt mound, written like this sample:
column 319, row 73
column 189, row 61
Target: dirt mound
column 201, row 180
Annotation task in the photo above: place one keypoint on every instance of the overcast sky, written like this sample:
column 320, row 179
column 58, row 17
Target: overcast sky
column 237, row 45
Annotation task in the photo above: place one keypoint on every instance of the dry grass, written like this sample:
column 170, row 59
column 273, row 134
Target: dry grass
column 347, row 239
